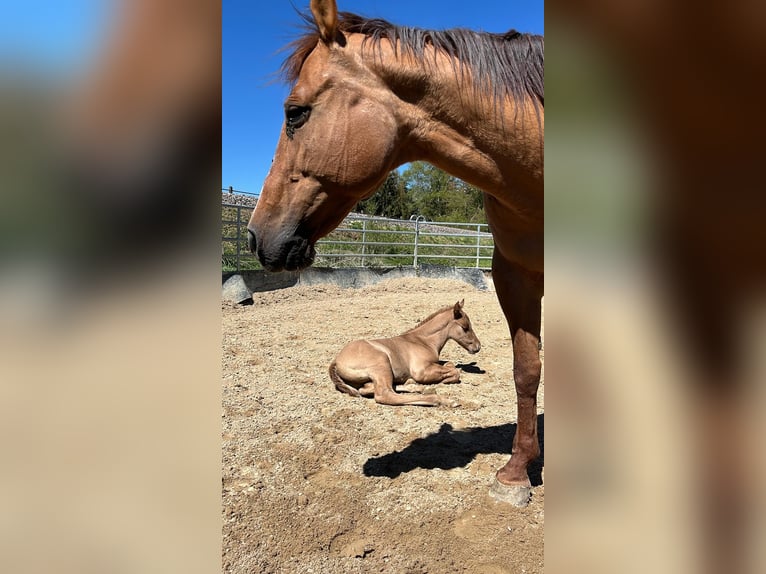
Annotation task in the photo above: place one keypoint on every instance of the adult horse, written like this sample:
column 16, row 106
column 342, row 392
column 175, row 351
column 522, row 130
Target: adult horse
column 368, row 96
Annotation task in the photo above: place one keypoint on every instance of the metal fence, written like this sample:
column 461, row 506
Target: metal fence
column 363, row 241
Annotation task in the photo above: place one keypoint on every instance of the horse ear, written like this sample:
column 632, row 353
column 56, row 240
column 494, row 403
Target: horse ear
column 456, row 309
column 326, row 17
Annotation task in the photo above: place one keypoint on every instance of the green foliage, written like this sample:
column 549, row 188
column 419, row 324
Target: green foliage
column 439, row 196
column 231, row 241
column 423, row 189
column 390, row 200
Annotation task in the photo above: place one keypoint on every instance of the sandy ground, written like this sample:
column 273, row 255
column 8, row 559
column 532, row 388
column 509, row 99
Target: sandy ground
column 318, row 481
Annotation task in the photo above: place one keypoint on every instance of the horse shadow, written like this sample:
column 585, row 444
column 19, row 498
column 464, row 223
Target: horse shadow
column 449, row 448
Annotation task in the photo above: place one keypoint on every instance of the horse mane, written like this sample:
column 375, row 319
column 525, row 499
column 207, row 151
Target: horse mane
column 508, row 65
column 431, row 316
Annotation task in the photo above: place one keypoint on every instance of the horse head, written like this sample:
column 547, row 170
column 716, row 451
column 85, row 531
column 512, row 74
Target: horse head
column 338, row 145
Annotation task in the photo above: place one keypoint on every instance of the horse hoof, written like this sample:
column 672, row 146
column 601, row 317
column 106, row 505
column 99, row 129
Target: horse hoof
column 517, row 494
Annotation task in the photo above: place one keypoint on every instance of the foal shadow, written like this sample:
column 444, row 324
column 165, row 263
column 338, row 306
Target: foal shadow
column 471, row 367
column 449, row 448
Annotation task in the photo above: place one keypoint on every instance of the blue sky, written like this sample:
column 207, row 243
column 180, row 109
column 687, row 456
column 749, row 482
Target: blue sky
column 254, row 31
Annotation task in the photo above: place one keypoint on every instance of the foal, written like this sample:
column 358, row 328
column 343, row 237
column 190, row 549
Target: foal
column 371, row 368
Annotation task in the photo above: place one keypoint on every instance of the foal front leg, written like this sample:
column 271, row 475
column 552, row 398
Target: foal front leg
column 520, row 294
column 434, row 373
column 383, row 384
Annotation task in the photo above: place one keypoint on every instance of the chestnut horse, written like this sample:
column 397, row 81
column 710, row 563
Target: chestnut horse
column 368, row 96
column 371, row 368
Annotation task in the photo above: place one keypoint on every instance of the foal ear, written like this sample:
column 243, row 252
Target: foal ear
column 456, row 310
column 326, row 17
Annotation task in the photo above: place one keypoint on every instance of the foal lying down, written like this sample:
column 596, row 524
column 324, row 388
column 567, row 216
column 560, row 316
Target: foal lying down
column 371, row 368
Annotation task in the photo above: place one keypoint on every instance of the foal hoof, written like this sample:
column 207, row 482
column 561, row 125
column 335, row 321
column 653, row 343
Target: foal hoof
column 517, row 494
column 449, row 402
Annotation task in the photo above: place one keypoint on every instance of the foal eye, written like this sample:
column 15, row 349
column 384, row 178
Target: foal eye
column 295, row 117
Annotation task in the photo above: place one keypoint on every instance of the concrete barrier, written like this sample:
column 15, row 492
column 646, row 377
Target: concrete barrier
column 355, row 277
column 235, row 290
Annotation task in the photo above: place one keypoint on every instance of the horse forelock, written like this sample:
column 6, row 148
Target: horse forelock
column 511, row 64
column 300, row 48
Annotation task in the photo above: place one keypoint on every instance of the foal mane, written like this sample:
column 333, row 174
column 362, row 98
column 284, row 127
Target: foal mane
column 505, row 65
column 431, row 316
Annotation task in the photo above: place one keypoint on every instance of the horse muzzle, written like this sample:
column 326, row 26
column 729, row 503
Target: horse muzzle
column 283, row 254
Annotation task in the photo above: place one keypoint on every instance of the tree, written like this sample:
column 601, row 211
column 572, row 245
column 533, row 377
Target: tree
column 425, row 190
column 466, row 203
column 390, row 200
column 439, row 196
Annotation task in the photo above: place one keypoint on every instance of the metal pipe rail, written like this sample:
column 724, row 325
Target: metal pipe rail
column 377, row 241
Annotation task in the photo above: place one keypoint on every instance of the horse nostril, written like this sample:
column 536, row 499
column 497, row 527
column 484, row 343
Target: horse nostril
column 251, row 243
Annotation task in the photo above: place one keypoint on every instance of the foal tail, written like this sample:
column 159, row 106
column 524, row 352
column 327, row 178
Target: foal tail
column 339, row 384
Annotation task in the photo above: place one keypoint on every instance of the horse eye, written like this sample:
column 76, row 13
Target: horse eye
column 295, row 117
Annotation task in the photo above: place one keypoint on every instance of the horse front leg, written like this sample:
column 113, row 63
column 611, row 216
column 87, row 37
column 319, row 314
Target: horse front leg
column 520, row 294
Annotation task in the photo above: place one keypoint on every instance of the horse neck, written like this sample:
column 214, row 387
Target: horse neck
column 433, row 331
column 446, row 124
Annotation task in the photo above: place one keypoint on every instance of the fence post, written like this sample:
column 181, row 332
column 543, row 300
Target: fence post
column 239, row 238
column 478, row 243
column 418, row 219
column 364, row 242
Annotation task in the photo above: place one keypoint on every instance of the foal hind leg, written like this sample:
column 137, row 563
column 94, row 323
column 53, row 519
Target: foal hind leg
column 385, row 395
column 367, row 390
column 520, row 293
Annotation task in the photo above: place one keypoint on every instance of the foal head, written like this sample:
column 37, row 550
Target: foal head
column 338, row 144
column 461, row 331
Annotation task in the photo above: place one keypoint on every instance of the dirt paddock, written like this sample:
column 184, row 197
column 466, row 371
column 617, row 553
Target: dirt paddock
column 318, row 481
